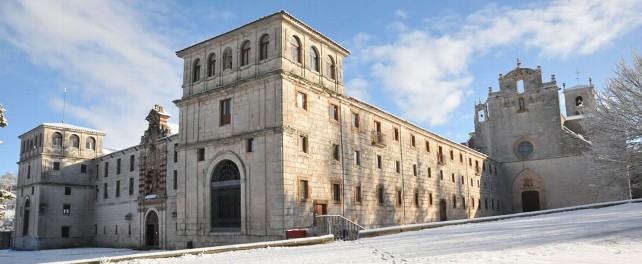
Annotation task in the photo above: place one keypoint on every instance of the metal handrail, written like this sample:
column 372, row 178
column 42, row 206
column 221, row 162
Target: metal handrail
column 339, row 226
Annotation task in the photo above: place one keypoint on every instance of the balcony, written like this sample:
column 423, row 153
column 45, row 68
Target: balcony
column 378, row 139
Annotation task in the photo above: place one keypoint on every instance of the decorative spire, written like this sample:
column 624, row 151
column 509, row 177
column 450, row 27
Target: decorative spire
column 519, row 63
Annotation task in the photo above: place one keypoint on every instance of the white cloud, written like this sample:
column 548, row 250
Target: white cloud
column 428, row 75
column 358, row 88
column 108, row 51
column 401, row 13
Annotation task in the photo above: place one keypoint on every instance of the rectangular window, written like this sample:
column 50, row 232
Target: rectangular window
column 441, row 175
column 412, row 141
column 29, row 172
column 461, row 158
column 429, row 172
column 336, row 192
column 129, row 230
column 335, row 152
column 105, row 193
column 485, row 203
column 334, row 112
column 398, row 166
column 56, row 165
column 67, row 190
column 463, row 202
column 303, row 190
column 106, row 169
column 399, row 198
column 357, row 194
column 97, row 190
column 462, row 180
column 472, row 203
column 355, row 120
column 379, row 162
column 303, row 143
column 396, row 134
column 66, row 209
column 357, row 158
column 175, row 180
column 83, row 168
column 97, row 166
column 416, row 198
column 249, row 145
column 225, row 112
column 430, row 198
column 380, row 195
column 440, row 155
column 117, row 166
column 117, row 188
column 131, row 162
column 131, row 186
column 454, row 201
column 427, row 146
column 200, row 154
column 414, row 169
column 452, row 154
column 64, row 231
column 175, row 153
column 452, row 176
column 302, row 100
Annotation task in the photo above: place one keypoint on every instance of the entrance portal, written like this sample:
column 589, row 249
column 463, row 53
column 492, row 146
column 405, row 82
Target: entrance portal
column 320, row 208
column 442, row 210
column 151, row 229
column 530, row 201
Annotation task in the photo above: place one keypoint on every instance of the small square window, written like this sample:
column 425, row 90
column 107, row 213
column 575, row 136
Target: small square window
column 303, row 191
column 336, row 192
column 201, row 154
column 83, row 168
column 355, row 120
column 66, row 209
column 64, row 231
column 250, row 145
column 302, row 100
column 67, row 190
column 56, row 165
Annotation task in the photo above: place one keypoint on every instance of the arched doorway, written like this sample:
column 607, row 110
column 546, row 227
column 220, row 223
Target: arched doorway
column 528, row 192
column 226, row 197
column 25, row 218
column 530, row 201
column 151, row 229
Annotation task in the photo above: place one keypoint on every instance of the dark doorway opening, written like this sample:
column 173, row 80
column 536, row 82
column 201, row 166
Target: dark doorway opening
column 320, row 208
column 442, row 210
column 530, row 201
column 151, row 230
column 25, row 219
column 226, row 197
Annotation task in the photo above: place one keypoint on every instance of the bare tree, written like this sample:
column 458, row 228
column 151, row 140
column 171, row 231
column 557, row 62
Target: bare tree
column 614, row 126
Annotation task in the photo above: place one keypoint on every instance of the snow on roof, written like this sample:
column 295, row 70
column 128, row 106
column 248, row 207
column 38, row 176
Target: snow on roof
column 68, row 126
column 579, row 86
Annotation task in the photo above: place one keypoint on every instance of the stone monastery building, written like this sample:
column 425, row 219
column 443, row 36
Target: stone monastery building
column 268, row 140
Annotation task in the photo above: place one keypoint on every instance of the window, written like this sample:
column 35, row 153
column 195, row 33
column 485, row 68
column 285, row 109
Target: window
column 412, row 141
column 83, row 168
column 380, row 195
column 399, row 197
column 429, row 172
column 175, row 153
column 461, row 157
column 454, row 201
column 105, row 193
column 249, row 145
column 245, row 53
column 303, row 143
column 67, row 190
column 211, row 65
column 90, row 143
column 357, row 158
column 64, row 231
column 452, row 177
column 196, row 70
column 106, row 169
column 117, row 166
column 56, row 139
column 66, row 209
column 355, row 120
column 579, row 101
column 117, row 188
column 430, row 198
column 175, row 180
column 131, row 186
column 357, row 194
column 398, row 166
column 131, row 162
column 524, row 149
column 96, row 191
column 200, row 153
column 416, row 198
column 427, row 146
column 29, row 172
column 414, row 169
column 336, row 192
column 472, row 203
column 303, row 190
column 462, row 180
column 225, row 112
column 379, row 162
column 227, row 59
column 334, row 112
column 452, row 154
column 74, row 141
column 97, row 170
column 441, row 175
column 463, row 202
column 396, row 134
column 485, row 203
column 56, row 165
column 302, row 100
column 314, row 59
column 330, row 68
column 335, row 152
column 263, row 47
column 295, row 48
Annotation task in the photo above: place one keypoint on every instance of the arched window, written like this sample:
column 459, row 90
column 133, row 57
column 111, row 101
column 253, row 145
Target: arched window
column 56, row 139
column 263, row 48
column 74, row 141
column 90, row 143
column 579, row 101
column 196, row 70
column 227, row 59
column 245, row 53
column 226, row 197
column 211, row 65
column 295, row 48
column 331, row 68
column 314, row 59
column 25, row 218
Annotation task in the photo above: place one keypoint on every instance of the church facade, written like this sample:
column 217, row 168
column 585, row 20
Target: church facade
column 268, row 140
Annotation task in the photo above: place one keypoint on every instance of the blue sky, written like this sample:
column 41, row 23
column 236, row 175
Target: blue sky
column 426, row 61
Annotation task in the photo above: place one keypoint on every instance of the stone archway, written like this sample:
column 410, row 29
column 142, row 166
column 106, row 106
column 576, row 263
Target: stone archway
column 151, row 229
column 528, row 192
column 226, row 197
column 25, row 218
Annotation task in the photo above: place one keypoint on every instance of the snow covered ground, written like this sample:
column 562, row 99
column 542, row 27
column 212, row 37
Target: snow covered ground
column 606, row 235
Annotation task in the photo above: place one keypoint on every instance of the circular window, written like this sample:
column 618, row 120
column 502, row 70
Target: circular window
column 525, row 149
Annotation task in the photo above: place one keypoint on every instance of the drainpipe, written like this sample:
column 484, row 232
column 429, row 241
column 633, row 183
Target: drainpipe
column 403, row 184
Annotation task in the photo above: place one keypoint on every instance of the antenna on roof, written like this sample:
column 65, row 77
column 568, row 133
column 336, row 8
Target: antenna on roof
column 64, row 103
column 577, row 76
